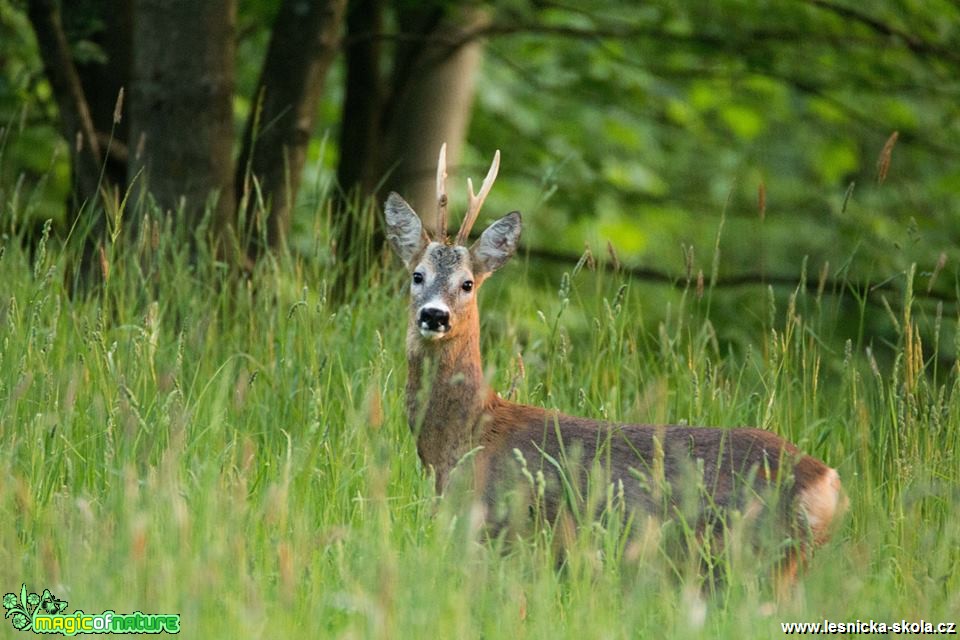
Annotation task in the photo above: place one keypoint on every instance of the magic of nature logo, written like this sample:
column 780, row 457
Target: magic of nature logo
column 44, row 613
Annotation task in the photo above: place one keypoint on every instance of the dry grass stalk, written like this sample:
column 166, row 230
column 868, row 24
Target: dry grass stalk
column 883, row 162
column 762, row 200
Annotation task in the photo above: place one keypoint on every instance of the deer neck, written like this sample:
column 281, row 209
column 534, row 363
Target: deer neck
column 446, row 394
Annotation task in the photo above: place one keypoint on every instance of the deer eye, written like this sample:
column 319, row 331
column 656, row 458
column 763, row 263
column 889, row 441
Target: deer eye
column 467, row 286
column 417, row 277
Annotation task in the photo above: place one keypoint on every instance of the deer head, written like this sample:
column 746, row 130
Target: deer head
column 445, row 276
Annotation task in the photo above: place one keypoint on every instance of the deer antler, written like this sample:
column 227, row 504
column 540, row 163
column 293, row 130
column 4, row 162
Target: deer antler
column 442, row 194
column 476, row 200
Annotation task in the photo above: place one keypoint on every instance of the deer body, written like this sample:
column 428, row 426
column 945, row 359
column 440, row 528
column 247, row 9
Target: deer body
column 453, row 412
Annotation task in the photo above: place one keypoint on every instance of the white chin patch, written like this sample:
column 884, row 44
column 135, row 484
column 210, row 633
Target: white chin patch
column 430, row 334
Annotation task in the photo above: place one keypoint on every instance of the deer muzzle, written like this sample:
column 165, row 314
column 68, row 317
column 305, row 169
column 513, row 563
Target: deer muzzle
column 433, row 321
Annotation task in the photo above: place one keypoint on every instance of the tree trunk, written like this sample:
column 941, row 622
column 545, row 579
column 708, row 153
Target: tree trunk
column 304, row 41
column 181, row 111
column 363, row 100
column 432, row 105
column 360, row 144
column 390, row 135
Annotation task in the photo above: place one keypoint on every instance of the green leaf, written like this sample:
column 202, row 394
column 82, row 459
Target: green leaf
column 743, row 121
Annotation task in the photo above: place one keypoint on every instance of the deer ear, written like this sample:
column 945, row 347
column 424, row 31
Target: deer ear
column 404, row 229
column 496, row 244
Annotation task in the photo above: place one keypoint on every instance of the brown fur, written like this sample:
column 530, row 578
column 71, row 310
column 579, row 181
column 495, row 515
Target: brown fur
column 665, row 471
column 737, row 465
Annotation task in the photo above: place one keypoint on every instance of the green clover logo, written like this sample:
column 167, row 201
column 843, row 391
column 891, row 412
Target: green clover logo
column 20, row 621
column 23, row 609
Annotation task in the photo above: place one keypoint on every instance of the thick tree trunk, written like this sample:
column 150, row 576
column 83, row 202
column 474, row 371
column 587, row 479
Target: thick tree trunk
column 391, row 134
column 181, row 111
column 432, row 105
column 363, row 100
column 305, row 39
column 361, row 144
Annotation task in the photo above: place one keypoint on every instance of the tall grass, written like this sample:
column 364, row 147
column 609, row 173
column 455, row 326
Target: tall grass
column 176, row 439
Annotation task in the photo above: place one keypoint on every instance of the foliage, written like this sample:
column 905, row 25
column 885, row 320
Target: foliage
column 33, row 159
column 644, row 122
column 640, row 124
column 174, row 440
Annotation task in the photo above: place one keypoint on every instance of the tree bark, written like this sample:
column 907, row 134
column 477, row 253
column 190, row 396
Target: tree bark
column 358, row 166
column 434, row 90
column 305, row 39
column 391, row 133
column 360, row 144
column 76, row 125
column 181, row 112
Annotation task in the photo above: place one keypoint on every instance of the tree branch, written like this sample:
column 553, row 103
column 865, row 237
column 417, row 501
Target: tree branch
column 830, row 285
column 75, row 121
column 914, row 43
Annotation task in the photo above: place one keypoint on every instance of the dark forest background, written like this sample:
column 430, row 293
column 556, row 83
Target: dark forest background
column 820, row 136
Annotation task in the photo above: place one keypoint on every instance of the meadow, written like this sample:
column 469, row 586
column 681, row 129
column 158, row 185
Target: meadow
column 176, row 438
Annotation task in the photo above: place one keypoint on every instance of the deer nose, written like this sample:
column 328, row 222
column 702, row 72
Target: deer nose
column 434, row 319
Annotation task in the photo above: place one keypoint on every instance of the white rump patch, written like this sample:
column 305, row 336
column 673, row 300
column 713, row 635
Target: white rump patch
column 820, row 503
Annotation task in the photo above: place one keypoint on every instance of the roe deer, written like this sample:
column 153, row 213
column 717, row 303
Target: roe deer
column 453, row 412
